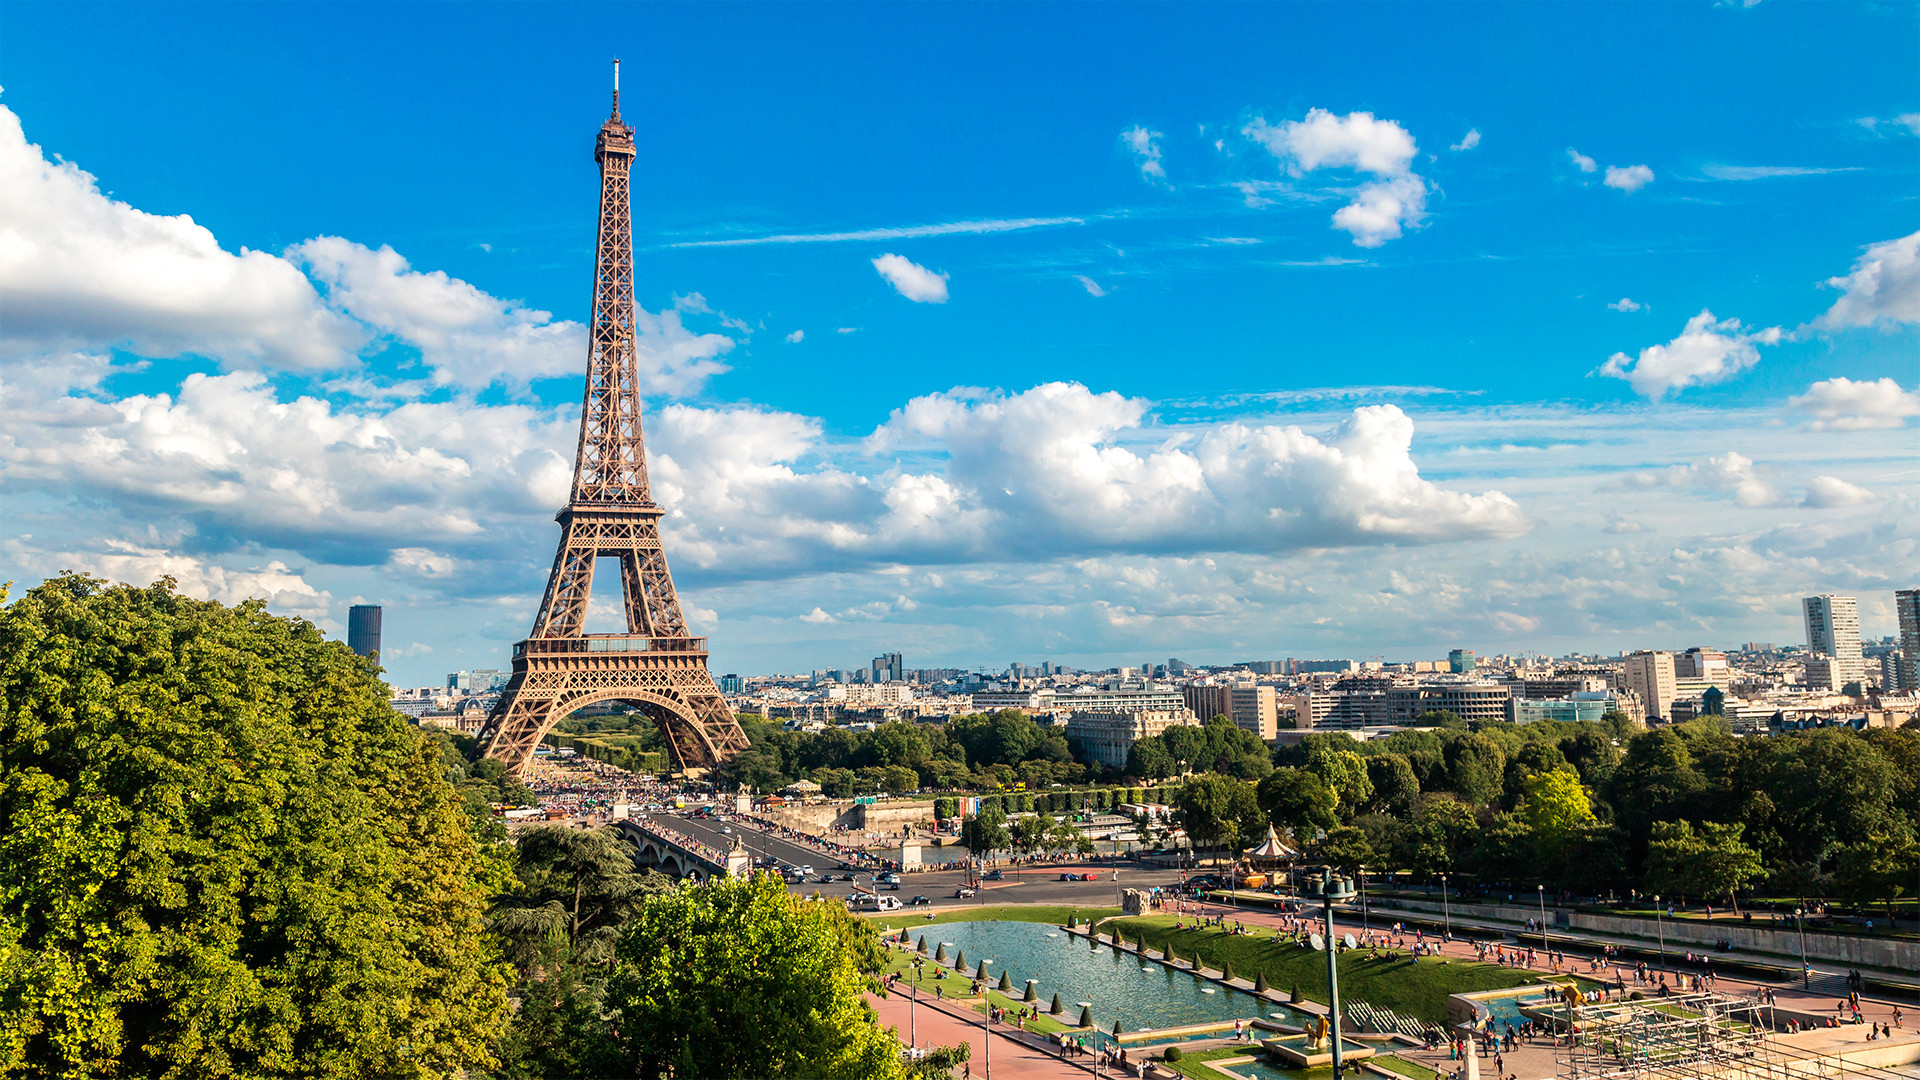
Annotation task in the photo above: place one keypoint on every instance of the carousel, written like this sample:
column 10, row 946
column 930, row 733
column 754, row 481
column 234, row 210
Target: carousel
column 1259, row 867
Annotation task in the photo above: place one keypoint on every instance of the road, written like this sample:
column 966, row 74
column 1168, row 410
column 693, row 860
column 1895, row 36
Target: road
column 1031, row 885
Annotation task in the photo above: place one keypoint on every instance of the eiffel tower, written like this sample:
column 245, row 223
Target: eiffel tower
column 655, row 665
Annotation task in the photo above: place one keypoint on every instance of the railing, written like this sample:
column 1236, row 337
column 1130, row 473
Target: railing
column 610, row 643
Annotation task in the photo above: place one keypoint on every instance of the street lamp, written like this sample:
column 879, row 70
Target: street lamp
column 913, row 996
column 986, row 1016
column 1445, row 910
column 1330, row 889
column 1661, row 929
column 1542, row 889
column 1806, row 970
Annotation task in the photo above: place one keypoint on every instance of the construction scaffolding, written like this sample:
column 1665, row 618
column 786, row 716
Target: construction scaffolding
column 1688, row 1035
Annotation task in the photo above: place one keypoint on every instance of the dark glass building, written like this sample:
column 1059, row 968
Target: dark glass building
column 363, row 629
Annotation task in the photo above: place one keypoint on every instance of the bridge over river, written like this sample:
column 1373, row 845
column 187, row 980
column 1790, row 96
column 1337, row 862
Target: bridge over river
column 680, row 854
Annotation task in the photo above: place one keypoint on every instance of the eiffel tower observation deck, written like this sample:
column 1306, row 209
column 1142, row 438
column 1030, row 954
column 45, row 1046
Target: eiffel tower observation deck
column 655, row 666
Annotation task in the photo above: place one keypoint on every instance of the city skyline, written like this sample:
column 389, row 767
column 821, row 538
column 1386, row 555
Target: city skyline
column 1547, row 332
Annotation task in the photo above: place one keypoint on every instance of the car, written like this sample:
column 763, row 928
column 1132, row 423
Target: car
column 807, row 870
column 919, row 901
column 891, row 886
column 890, row 877
column 962, row 893
column 996, row 875
column 844, row 865
column 826, row 879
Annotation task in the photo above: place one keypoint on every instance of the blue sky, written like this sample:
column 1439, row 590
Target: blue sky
column 1150, row 261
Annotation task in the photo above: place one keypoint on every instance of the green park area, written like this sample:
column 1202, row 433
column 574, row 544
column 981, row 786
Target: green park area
column 1389, row 980
column 1051, row 914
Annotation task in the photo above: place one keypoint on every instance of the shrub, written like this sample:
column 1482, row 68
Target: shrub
column 1172, row 1053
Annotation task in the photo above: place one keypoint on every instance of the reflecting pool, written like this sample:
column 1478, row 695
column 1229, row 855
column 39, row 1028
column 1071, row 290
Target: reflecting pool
column 1117, row 985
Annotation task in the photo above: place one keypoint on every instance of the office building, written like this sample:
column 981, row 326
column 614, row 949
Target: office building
column 1907, row 603
column 1121, row 698
column 1106, row 736
column 1461, row 661
column 732, row 684
column 1651, row 676
column 1253, row 708
column 1833, row 630
column 363, row 629
column 1584, row 706
column 1707, row 665
column 1484, row 701
column 889, row 668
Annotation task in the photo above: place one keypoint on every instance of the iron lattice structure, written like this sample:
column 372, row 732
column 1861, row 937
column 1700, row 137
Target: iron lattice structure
column 611, row 513
column 1691, row 1036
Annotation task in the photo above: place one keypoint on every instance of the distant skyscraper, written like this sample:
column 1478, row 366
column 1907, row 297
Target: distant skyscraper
column 1833, row 629
column 889, row 668
column 1907, row 603
column 1461, row 661
column 363, row 629
column 732, row 684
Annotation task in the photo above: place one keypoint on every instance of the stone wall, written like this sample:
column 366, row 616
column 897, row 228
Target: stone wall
column 818, row 818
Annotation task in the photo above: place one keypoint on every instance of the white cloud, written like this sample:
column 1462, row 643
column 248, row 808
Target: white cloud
column 1824, row 492
column 1358, row 141
column 1145, row 146
column 472, row 339
column 906, row 232
column 285, row 590
column 817, row 617
column 1626, row 304
column 911, row 280
column 1581, row 161
column 1769, row 172
column 796, row 337
column 1842, row 404
column 1707, row 351
column 81, row 271
column 1883, row 288
column 1630, row 178
column 1093, row 287
column 1467, row 142
column 1731, row 473
column 847, row 330
column 1903, row 124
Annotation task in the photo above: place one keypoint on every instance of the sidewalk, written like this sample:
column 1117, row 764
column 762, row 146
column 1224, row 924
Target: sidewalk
column 938, row 1025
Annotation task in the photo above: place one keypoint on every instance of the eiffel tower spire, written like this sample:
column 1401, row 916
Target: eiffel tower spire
column 655, row 665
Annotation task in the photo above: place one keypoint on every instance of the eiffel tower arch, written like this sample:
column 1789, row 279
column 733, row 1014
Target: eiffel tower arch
column 655, row 666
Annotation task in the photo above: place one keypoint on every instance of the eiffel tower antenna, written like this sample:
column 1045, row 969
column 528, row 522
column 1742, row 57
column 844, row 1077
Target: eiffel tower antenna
column 655, row 665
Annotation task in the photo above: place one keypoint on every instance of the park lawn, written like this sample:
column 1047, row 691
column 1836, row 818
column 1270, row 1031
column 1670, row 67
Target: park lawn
column 1045, row 1023
column 1051, row 914
column 1191, row 1064
column 932, row 977
column 1416, row 989
column 1403, row 1067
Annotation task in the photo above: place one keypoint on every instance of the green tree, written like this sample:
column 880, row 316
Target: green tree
column 225, row 853
column 1343, row 771
column 1476, row 768
column 1346, row 849
column 740, row 978
column 1395, row 787
column 1298, row 800
column 986, row 831
column 1215, row 809
column 1555, row 808
column 574, row 891
column 1441, row 838
column 1148, row 759
column 1710, row 862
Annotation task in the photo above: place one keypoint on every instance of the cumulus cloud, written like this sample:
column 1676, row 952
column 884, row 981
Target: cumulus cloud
column 1394, row 199
column 1629, row 178
column 1842, row 404
column 1093, row 287
column 796, row 337
column 911, row 280
column 1581, row 161
column 1824, row 492
column 1732, row 474
column 1707, row 351
column 285, row 590
column 1626, row 304
column 80, row 270
column 1883, row 288
column 1467, row 142
column 1145, row 146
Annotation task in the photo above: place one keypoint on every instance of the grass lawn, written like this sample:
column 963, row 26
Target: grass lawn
column 1410, row 988
column 932, row 978
column 1051, row 914
column 1190, row 1065
column 1045, row 1023
column 1403, row 1067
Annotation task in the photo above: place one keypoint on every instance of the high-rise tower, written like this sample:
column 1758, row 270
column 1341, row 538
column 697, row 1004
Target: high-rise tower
column 655, row 665
column 1833, row 631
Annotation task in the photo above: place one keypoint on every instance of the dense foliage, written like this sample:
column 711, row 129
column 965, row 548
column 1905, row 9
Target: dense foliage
column 225, row 855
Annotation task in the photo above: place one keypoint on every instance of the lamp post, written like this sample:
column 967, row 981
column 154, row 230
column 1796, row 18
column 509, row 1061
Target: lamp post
column 986, row 1015
column 913, row 996
column 1365, row 926
column 1661, row 929
column 1330, row 889
column 1444, row 909
column 1806, row 970
column 1542, row 889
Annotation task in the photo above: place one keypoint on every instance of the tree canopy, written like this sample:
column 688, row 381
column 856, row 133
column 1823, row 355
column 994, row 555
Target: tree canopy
column 226, row 855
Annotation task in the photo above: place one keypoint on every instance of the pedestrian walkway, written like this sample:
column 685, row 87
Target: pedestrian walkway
column 929, row 1024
